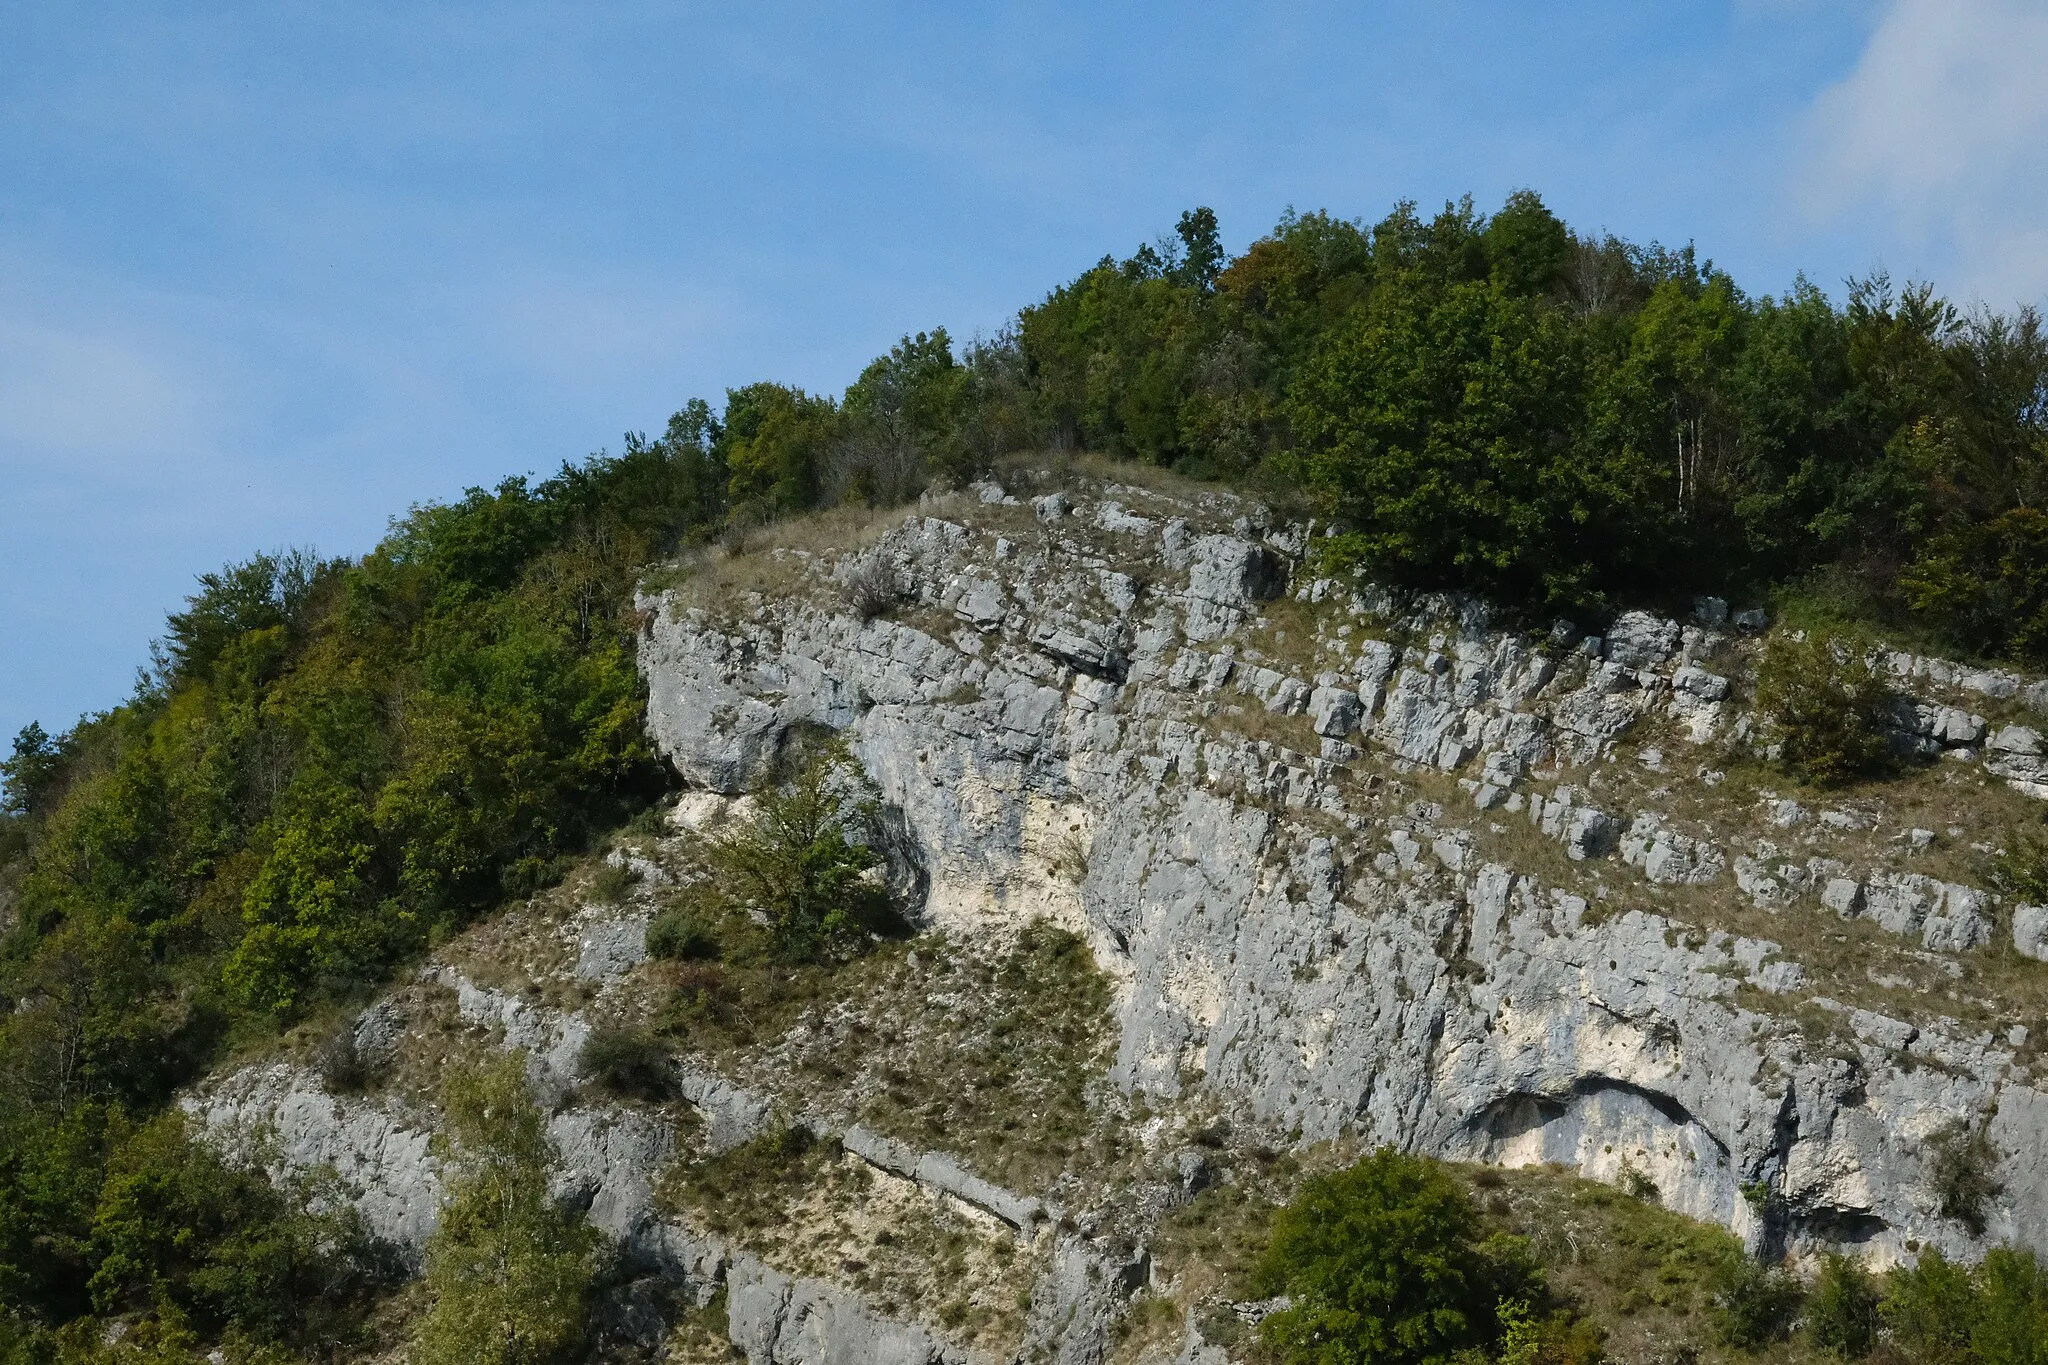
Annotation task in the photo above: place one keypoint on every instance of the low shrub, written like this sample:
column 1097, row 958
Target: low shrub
column 1757, row 1305
column 627, row 1061
column 872, row 588
column 1961, row 1170
column 1828, row 710
column 613, row 883
column 681, row 934
column 340, row 1063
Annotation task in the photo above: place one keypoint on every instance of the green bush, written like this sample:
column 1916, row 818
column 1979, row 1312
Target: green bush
column 1828, row 710
column 613, row 883
column 680, row 934
column 1386, row 1264
column 1936, row 1312
column 1962, row 1170
column 801, row 859
column 627, row 1061
column 509, row 1272
column 2012, row 1309
column 1757, row 1305
column 1841, row 1310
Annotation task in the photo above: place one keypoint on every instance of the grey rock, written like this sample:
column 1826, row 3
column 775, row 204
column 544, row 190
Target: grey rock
column 2017, row 739
column 776, row 1318
column 382, row 1155
column 1308, row 980
column 611, row 947
column 1333, row 709
column 1638, row 639
column 1843, row 895
column 1700, row 683
column 2030, row 931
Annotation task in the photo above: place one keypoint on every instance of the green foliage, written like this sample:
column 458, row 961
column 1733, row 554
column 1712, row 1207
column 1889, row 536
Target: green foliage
column 801, row 859
column 1842, row 1309
column 1939, row 1313
column 1962, row 1170
column 509, row 1271
column 1386, row 1264
column 1829, row 709
column 1556, row 1339
column 627, row 1061
column 613, row 883
column 681, row 934
column 773, row 443
column 1757, row 1305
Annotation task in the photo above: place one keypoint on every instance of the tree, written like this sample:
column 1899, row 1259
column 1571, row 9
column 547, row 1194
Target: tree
column 1386, row 1265
column 801, row 858
column 771, row 443
column 509, row 1271
column 32, row 773
column 1841, row 1312
column 1202, row 253
column 1828, row 709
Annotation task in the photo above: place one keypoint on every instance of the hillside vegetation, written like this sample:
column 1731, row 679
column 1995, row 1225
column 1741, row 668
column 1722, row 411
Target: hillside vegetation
column 334, row 764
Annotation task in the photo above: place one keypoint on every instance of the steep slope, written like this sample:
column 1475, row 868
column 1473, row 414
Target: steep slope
column 1347, row 870
column 1370, row 869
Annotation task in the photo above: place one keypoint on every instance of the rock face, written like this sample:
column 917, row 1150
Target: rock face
column 1143, row 761
column 1358, row 867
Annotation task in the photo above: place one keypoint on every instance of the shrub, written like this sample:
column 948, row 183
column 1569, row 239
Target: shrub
column 613, row 883
column 1841, row 1312
column 1559, row 1339
column 872, row 589
column 1386, row 1265
column 680, row 934
column 340, row 1062
column 2012, row 1309
column 1636, row 1184
column 801, row 859
column 627, row 1061
column 509, row 1271
column 1828, row 710
column 1960, row 1169
column 1757, row 1305
column 1929, row 1309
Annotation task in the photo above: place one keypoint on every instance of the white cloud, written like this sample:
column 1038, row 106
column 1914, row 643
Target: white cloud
column 1942, row 130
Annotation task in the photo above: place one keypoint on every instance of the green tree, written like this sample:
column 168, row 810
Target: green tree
column 1842, row 1311
column 1827, row 707
column 509, row 1271
column 1386, row 1265
column 802, row 857
column 2012, row 1313
column 1930, row 1309
column 772, row 444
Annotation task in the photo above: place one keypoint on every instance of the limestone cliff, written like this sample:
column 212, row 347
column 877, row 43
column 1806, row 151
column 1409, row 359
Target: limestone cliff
column 1359, row 868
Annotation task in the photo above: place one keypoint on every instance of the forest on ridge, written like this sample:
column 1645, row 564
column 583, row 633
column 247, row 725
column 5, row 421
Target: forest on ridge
column 333, row 764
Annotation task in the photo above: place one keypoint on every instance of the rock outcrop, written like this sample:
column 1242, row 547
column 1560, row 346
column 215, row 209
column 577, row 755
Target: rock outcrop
column 1360, row 867
column 1338, row 965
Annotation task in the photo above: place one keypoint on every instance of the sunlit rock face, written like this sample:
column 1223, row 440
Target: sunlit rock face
column 1364, row 866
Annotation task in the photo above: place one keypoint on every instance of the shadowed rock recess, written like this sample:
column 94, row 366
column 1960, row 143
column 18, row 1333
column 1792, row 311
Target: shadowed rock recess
column 1354, row 867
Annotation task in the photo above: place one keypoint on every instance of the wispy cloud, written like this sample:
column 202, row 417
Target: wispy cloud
column 1943, row 125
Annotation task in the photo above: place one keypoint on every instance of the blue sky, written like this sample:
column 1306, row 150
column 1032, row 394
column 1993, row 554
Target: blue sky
column 270, row 273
